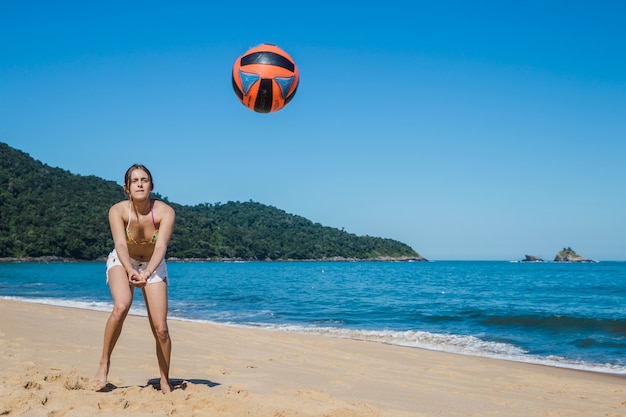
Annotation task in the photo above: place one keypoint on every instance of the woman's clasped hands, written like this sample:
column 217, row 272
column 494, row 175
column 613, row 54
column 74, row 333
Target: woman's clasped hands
column 138, row 279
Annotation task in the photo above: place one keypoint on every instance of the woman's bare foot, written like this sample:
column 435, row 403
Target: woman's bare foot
column 165, row 386
column 100, row 380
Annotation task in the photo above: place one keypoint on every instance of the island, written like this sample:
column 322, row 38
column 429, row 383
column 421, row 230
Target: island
column 531, row 258
column 569, row 255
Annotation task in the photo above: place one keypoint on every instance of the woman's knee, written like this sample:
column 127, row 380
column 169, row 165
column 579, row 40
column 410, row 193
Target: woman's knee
column 120, row 310
column 162, row 333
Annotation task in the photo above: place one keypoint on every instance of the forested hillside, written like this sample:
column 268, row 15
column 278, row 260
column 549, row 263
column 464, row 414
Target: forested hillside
column 47, row 211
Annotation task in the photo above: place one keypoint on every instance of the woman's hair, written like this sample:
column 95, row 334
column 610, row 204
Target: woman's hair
column 129, row 172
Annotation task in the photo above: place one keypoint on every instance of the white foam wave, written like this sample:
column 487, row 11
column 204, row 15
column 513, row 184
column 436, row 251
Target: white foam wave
column 464, row 345
column 83, row 305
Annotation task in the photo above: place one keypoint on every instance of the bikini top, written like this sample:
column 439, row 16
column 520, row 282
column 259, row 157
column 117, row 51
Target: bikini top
column 130, row 240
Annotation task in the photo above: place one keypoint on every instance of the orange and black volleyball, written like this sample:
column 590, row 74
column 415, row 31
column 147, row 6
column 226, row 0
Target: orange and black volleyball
column 265, row 78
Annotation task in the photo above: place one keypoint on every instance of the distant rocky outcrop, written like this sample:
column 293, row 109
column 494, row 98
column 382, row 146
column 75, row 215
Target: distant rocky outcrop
column 569, row 255
column 531, row 258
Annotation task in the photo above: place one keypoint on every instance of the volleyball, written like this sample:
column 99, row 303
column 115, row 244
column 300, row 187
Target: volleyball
column 265, row 78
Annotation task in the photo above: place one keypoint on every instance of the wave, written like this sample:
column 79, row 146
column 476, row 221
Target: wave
column 83, row 305
column 465, row 345
column 560, row 323
column 591, row 342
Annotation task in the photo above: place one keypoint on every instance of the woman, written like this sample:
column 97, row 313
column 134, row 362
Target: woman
column 141, row 229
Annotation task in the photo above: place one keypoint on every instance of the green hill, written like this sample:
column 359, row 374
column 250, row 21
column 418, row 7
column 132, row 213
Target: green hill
column 50, row 212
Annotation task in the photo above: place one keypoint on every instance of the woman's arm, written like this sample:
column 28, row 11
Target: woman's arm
column 118, row 232
column 166, row 227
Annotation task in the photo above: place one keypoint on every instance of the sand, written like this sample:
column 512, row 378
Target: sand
column 49, row 355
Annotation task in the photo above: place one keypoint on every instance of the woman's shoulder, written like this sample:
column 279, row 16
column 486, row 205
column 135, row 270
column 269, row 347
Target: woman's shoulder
column 162, row 207
column 118, row 207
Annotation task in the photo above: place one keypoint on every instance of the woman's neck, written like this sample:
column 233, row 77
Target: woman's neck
column 142, row 207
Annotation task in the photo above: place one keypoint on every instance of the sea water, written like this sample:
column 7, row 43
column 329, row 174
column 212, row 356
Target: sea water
column 559, row 314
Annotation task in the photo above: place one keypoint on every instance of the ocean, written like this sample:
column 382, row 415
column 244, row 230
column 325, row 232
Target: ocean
column 569, row 315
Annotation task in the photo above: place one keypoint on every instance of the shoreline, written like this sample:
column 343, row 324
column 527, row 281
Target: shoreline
column 392, row 338
column 49, row 355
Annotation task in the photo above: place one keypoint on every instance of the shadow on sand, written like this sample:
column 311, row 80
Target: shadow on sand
column 181, row 383
column 177, row 383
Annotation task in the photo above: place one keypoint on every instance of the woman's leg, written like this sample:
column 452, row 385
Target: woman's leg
column 155, row 296
column 122, row 294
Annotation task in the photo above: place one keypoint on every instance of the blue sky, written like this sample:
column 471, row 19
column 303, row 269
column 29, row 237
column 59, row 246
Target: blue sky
column 468, row 130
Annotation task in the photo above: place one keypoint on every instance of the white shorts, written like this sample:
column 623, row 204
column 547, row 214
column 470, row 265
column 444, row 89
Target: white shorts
column 159, row 274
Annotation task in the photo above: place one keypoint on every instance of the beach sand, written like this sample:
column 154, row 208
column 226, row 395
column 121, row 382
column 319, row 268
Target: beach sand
column 49, row 355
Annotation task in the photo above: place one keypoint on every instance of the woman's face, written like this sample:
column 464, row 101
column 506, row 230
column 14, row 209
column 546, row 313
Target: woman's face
column 139, row 184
